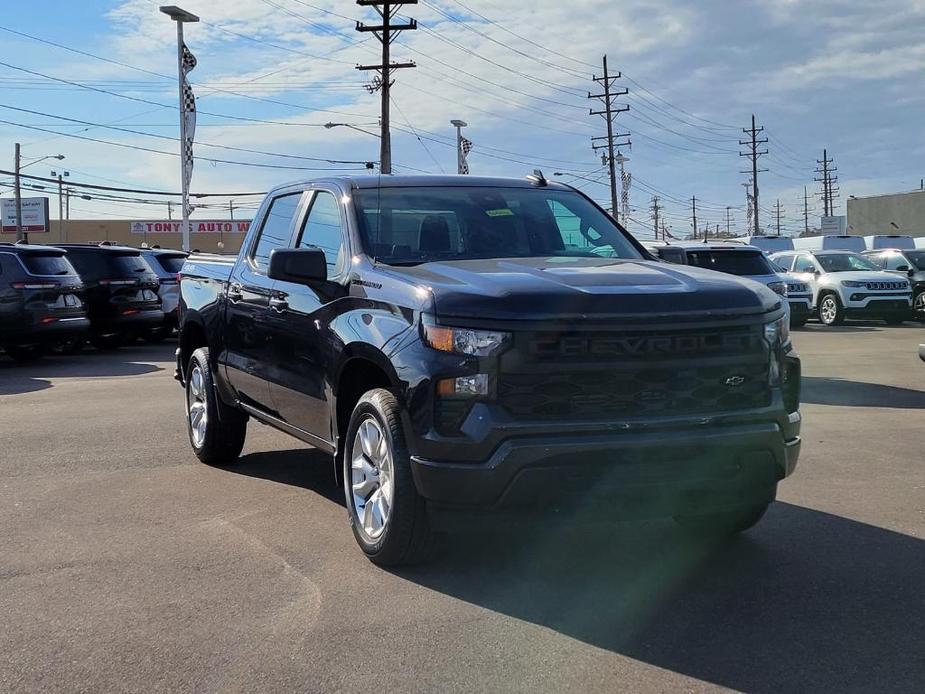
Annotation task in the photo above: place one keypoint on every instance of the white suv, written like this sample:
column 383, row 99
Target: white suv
column 848, row 285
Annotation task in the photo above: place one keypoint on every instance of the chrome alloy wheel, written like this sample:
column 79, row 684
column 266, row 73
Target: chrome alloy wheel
column 196, row 404
column 828, row 310
column 372, row 477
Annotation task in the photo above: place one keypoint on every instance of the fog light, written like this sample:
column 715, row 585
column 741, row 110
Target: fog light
column 463, row 386
column 857, row 297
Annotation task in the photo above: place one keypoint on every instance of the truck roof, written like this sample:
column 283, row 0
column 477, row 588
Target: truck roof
column 365, row 181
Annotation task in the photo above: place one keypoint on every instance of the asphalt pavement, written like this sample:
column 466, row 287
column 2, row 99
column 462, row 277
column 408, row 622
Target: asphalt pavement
column 125, row 565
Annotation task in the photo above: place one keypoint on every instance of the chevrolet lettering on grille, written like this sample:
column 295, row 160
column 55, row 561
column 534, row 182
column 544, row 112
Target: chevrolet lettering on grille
column 575, row 346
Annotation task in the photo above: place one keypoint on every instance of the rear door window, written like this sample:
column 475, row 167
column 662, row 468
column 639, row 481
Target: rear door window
column 276, row 229
column 90, row 265
column 804, row 264
column 52, row 264
column 126, row 265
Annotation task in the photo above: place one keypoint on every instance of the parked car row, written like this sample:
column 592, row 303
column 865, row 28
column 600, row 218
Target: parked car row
column 61, row 296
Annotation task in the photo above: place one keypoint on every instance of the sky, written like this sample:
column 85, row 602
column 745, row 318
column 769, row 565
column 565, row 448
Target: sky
column 835, row 74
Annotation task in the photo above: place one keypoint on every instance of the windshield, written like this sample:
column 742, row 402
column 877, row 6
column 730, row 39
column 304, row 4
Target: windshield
column 416, row 225
column 844, row 262
column 740, row 263
column 917, row 258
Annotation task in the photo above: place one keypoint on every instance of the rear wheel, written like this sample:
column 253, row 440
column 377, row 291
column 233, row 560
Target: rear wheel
column 216, row 430
column 830, row 310
column 725, row 523
column 106, row 342
column 25, row 353
column 387, row 515
column 72, row 345
column 155, row 335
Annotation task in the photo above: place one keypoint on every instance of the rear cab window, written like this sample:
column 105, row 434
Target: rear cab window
column 171, row 263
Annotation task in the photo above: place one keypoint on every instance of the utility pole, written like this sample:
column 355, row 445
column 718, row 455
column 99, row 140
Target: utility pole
column 753, row 153
column 805, row 211
column 777, row 211
column 67, row 204
column 656, row 208
column 462, row 166
column 386, row 32
column 827, row 168
column 694, row 213
column 20, row 236
column 62, row 237
column 728, row 222
column 170, row 209
column 610, row 113
column 231, row 209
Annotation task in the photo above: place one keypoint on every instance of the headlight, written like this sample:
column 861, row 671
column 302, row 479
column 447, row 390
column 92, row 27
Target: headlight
column 778, row 288
column 476, row 343
column 778, row 332
column 852, row 283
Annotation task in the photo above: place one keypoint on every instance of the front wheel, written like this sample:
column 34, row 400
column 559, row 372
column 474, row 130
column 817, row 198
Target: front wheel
column 725, row 523
column 216, row 430
column 387, row 515
column 106, row 342
column 25, row 353
column 918, row 306
column 830, row 310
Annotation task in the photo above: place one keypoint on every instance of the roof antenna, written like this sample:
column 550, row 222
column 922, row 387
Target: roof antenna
column 538, row 178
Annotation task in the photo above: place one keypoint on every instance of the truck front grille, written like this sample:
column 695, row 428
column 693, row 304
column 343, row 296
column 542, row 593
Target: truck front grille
column 614, row 392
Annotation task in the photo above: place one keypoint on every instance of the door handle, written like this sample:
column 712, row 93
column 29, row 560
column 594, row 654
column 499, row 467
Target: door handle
column 279, row 305
column 235, row 293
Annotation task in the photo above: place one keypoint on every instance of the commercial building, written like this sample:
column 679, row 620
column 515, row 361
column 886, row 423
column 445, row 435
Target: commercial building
column 209, row 236
column 899, row 213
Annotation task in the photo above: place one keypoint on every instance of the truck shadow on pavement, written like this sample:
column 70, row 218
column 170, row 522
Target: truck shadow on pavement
column 807, row 601
column 843, row 393
column 307, row 468
column 18, row 378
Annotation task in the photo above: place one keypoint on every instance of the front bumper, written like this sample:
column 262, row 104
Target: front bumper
column 800, row 307
column 638, row 474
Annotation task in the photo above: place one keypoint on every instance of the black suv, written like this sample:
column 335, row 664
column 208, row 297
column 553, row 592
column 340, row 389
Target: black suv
column 40, row 300
column 905, row 262
column 121, row 292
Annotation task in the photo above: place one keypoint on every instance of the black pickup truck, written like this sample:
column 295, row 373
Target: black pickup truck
column 474, row 344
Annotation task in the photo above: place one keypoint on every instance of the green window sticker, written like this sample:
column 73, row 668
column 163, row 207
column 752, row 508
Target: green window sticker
column 500, row 213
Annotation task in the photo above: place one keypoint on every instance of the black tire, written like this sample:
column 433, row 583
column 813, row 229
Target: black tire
column 895, row 320
column 106, row 342
column 725, row 523
column 155, row 335
column 918, row 307
column 25, row 353
column 72, row 346
column 406, row 536
column 830, row 313
column 221, row 438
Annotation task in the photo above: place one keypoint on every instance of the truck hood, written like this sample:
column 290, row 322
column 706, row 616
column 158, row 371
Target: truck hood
column 576, row 288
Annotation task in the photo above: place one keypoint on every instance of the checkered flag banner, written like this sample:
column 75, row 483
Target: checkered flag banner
column 188, row 115
column 465, row 146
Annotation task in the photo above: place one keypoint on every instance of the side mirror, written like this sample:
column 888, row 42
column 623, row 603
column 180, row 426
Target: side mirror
column 902, row 268
column 298, row 265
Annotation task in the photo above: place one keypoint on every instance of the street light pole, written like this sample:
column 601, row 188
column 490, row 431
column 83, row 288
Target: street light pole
column 20, row 236
column 62, row 237
column 460, row 124
column 180, row 17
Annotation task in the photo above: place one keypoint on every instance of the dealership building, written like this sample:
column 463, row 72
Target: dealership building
column 208, row 235
column 898, row 213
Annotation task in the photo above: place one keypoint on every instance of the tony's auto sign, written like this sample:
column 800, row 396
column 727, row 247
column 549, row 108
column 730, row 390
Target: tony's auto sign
column 34, row 215
column 199, row 226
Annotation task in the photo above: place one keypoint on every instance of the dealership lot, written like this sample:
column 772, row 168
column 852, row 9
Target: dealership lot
column 126, row 565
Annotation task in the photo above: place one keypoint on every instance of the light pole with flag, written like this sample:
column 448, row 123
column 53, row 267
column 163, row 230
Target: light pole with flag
column 186, row 61
column 463, row 147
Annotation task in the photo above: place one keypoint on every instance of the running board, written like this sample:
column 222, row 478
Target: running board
column 310, row 439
